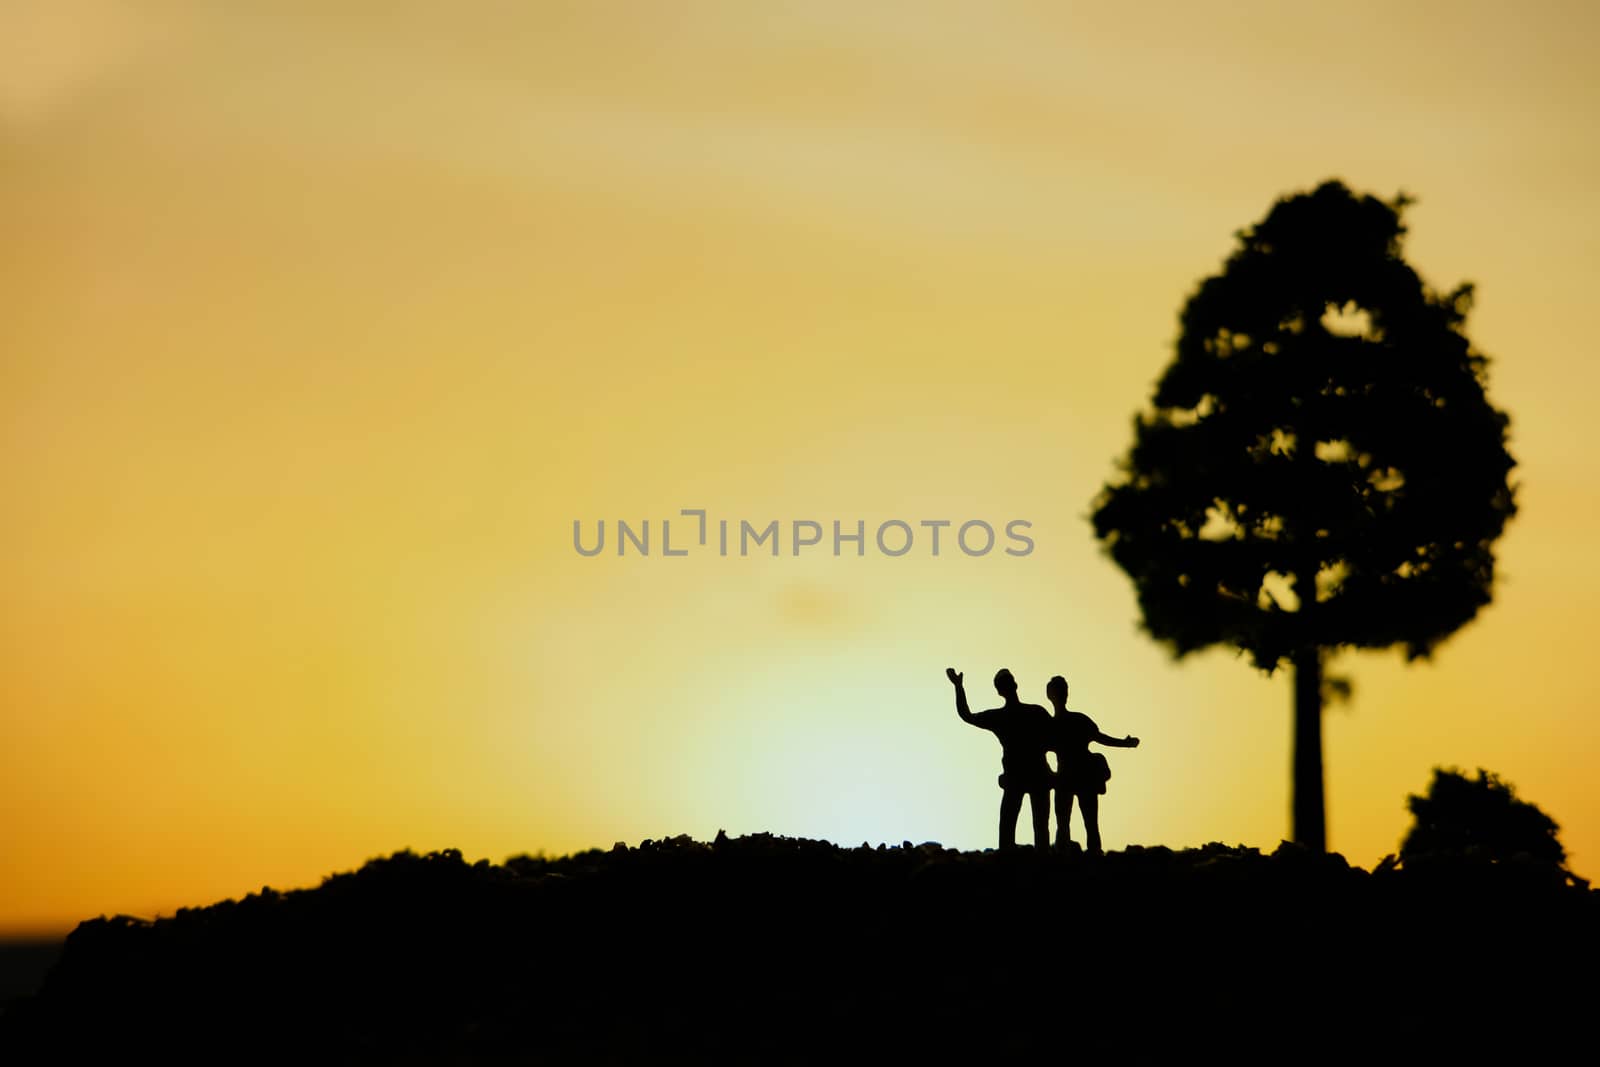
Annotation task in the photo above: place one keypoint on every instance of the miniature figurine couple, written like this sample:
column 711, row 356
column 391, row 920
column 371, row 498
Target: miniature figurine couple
column 1026, row 733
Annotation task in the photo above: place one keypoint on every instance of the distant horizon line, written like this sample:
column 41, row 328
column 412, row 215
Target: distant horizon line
column 25, row 934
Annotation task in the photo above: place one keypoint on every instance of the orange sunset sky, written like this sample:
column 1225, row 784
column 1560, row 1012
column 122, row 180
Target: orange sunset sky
column 323, row 322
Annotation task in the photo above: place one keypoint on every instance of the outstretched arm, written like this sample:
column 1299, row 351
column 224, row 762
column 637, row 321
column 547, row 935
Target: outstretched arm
column 961, row 694
column 1115, row 742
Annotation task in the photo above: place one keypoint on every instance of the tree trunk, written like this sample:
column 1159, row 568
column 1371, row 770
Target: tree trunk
column 1309, row 827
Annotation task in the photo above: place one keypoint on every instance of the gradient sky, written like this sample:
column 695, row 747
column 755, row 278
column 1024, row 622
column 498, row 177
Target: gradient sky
column 325, row 320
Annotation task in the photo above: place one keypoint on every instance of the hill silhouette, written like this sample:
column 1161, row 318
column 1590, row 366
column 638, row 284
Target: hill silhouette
column 771, row 949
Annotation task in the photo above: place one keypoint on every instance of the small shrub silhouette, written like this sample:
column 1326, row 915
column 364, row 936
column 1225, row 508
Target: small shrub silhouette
column 1480, row 818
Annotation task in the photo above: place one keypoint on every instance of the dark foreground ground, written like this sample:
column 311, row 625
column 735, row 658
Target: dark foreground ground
column 764, row 949
column 24, row 962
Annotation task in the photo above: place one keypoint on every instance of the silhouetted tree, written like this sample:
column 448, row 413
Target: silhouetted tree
column 1321, row 467
column 1480, row 816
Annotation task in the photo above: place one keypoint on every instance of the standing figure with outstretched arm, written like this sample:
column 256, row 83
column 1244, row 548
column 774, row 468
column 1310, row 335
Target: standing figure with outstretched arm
column 1024, row 733
column 1079, row 772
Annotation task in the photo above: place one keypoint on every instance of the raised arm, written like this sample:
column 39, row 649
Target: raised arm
column 961, row 695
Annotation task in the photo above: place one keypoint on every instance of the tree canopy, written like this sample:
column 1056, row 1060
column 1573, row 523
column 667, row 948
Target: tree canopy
column 1321, row 466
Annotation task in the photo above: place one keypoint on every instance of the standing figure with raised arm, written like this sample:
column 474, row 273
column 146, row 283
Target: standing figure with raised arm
column 1079, row 772
column 1024, row 732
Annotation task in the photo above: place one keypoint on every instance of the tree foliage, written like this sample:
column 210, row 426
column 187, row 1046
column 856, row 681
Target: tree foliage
column 1321, row 466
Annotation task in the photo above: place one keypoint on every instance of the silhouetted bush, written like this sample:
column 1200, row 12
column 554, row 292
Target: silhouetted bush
column 1480, row 819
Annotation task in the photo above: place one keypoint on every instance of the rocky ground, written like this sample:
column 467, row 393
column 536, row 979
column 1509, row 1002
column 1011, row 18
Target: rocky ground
column 764, row 949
